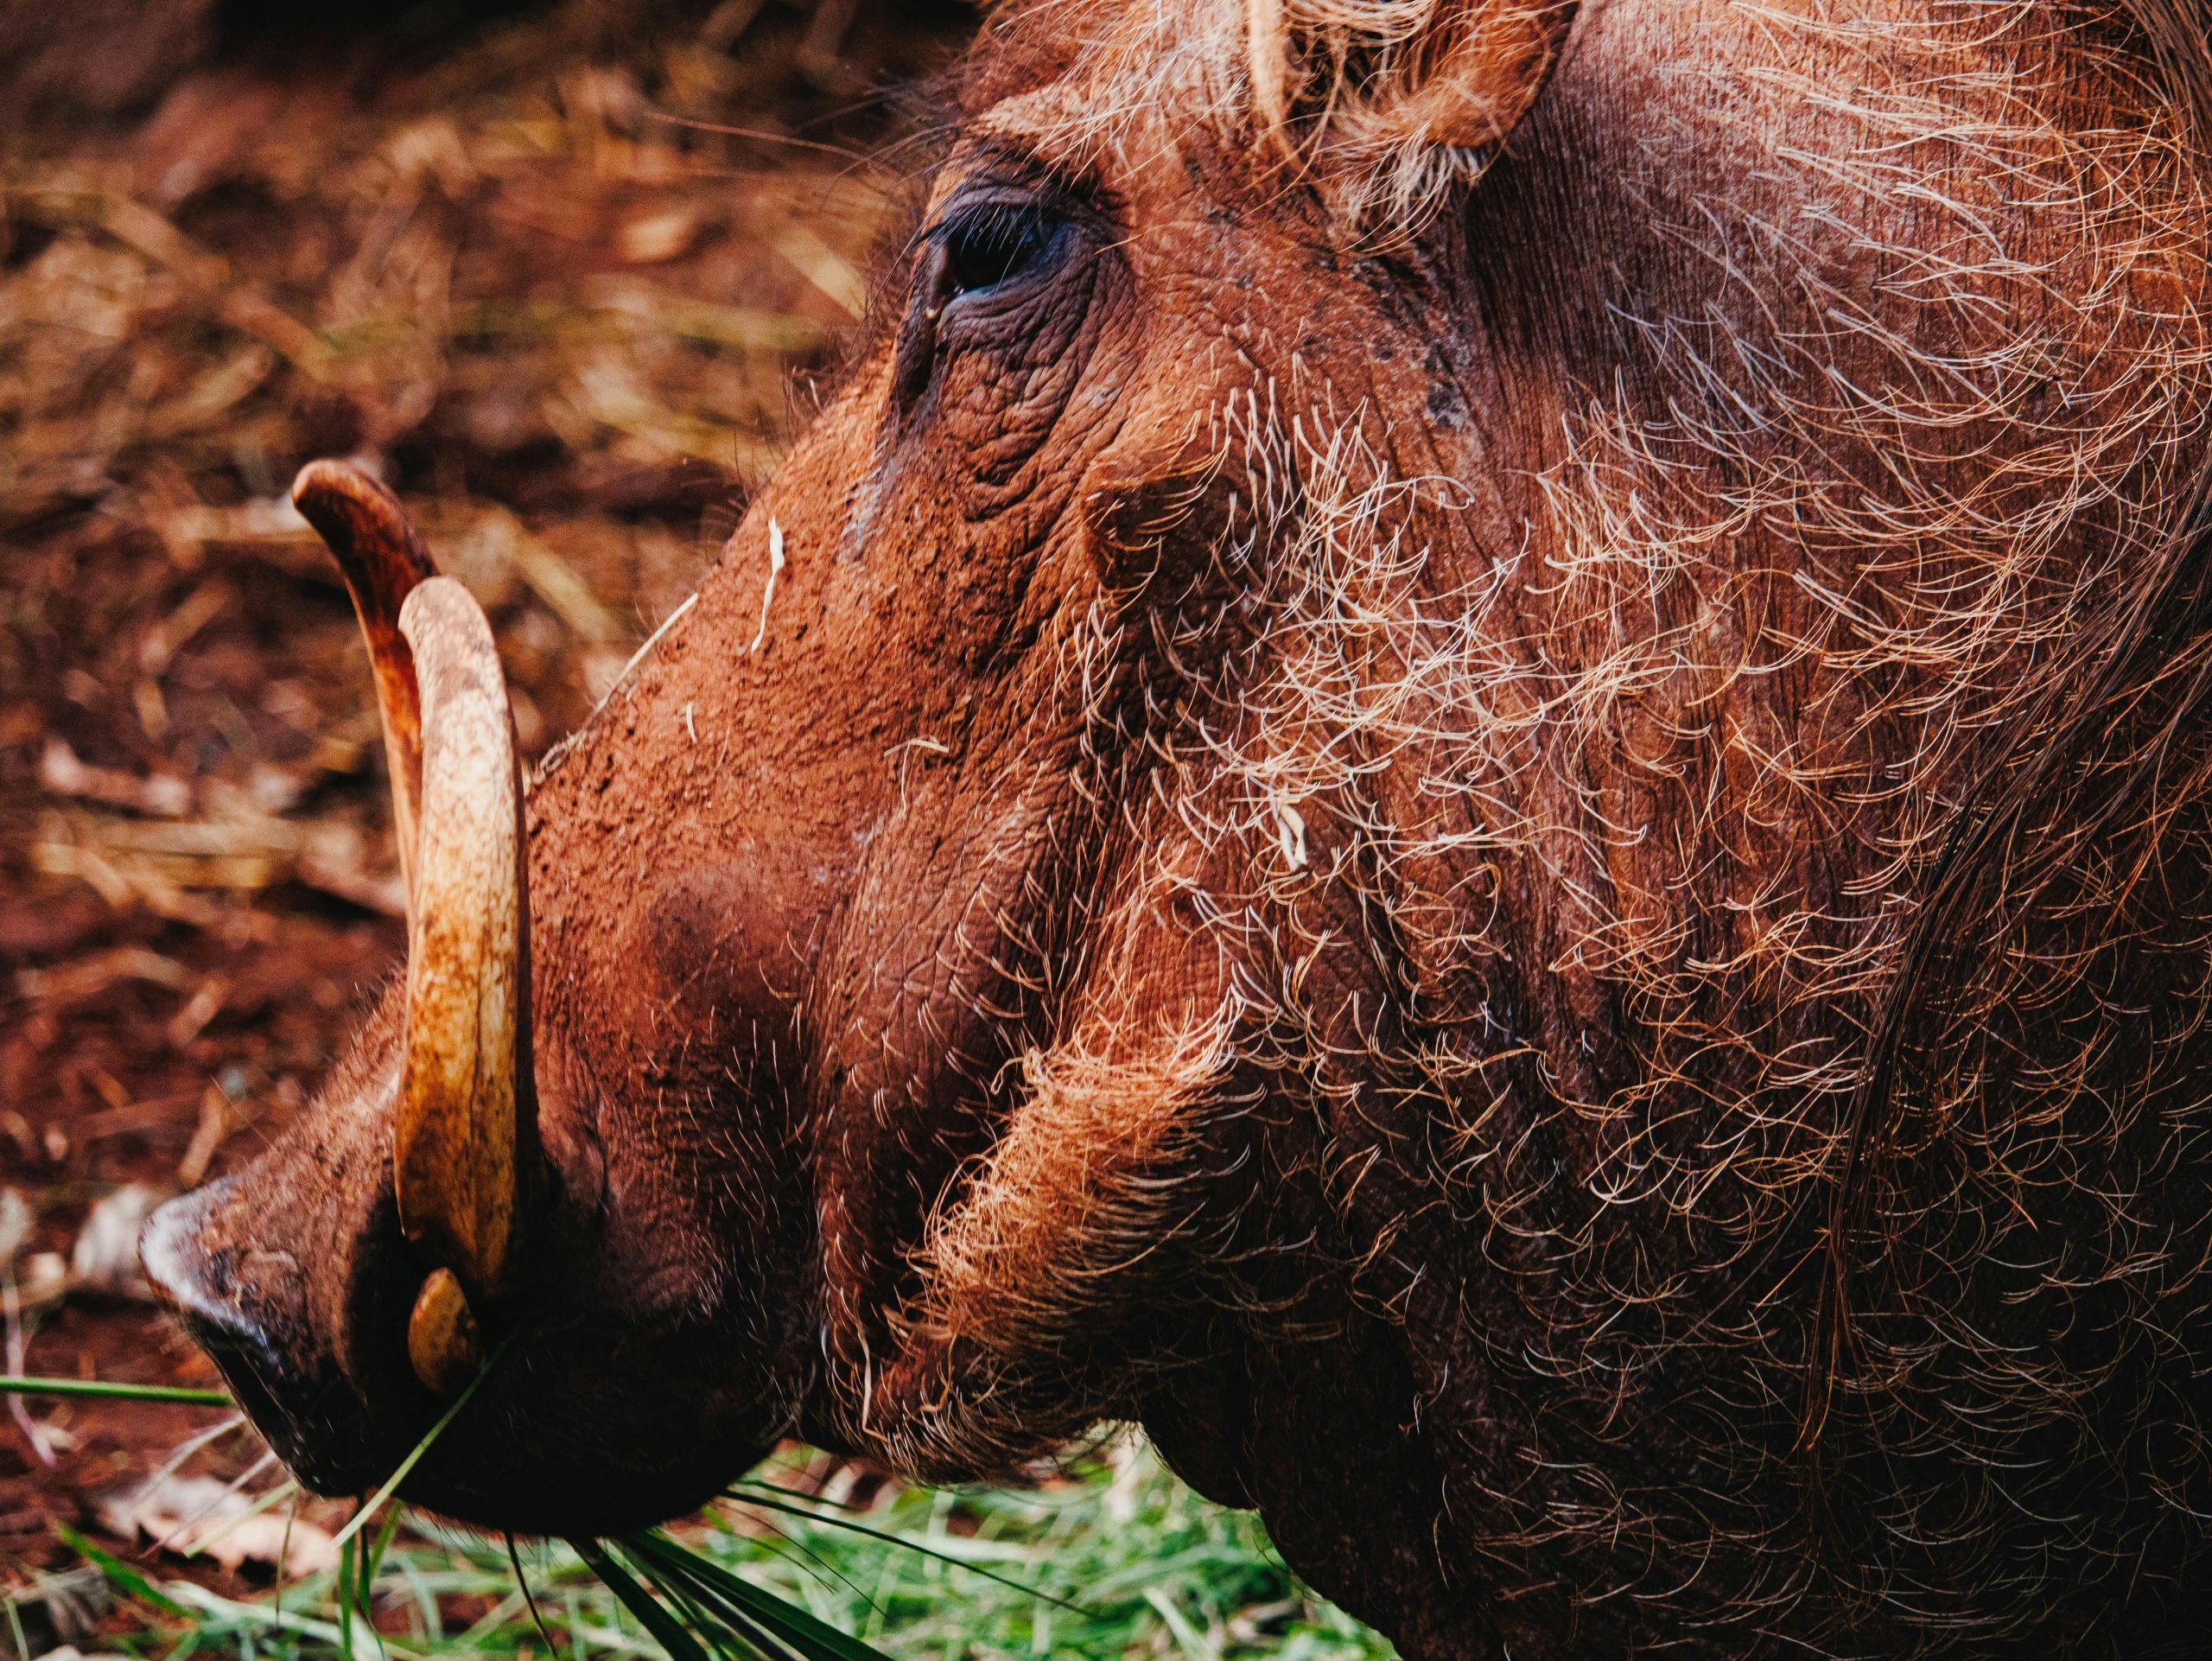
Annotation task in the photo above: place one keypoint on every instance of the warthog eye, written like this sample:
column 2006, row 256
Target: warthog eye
column 980, row 282
column 992, row 242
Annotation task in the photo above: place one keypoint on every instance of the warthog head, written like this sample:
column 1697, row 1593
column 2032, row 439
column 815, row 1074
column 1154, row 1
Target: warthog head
column 1473, row 768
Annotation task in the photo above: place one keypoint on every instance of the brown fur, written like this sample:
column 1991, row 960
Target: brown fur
column 1523, row 850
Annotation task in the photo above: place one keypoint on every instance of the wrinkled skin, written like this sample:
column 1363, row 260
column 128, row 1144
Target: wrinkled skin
column 1345, row 768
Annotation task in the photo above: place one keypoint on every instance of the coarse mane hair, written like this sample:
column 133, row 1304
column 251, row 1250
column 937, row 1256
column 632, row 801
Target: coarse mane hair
column 1368, row 101
column 1786, row 877
column 2065, row 911
column 2090, row 794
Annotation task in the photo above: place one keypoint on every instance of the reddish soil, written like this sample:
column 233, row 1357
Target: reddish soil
column 487, row 255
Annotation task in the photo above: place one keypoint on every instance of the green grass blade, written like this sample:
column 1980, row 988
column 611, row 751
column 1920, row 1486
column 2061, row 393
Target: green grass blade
column 790, row 1547
column 415, row 1455
column 907, row 1541
column 788, row 1494
column 384, row 1543
column 365, row 1570
column 713, row 1613
column 815, row 1640
column 14, row 1383
column 522, row 1581
column 1117, row 1529
column 345, row 1595
column 728, row 1632
column 117, row 1571
column 243, row 1616
column 708, row 1615
column 666, row 1630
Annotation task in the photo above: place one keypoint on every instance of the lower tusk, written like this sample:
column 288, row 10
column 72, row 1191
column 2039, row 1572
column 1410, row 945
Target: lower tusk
column 466, row 1106
column 443, row 1344
column 465, row 1116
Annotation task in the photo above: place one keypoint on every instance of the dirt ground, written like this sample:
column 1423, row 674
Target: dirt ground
column 502, row 254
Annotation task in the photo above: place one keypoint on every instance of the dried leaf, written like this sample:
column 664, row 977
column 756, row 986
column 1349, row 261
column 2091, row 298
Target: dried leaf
column 90, row 976
column 203, row 1515
column 200, row 1009
column 249, row 851
column 216, row 1122
column 740, row 326
column 105, row 1256
column 42, row 1278
column 650, row 238
column 160, row 645
column 824, row 266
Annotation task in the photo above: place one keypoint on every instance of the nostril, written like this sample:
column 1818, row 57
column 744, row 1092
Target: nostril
column 195, row 1276
column 244, row 1301
column 196, row 1271
column 174, row 1249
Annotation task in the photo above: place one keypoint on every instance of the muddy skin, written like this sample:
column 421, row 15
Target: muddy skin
column 1473, row 767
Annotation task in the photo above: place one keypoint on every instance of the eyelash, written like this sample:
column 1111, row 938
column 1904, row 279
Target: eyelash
column 993, row 243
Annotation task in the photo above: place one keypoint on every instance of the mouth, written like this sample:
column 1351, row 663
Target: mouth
column 548, row 1442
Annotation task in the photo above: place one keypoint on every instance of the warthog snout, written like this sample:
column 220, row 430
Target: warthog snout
column 216, row 1307
column 247, row 1307
column 356, row 1280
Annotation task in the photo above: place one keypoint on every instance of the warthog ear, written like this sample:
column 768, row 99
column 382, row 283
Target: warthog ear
column 1399, row 98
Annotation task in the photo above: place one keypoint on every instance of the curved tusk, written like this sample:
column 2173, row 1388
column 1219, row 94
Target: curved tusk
column 466, row 1106
column 382, row 560
column 466, row 1114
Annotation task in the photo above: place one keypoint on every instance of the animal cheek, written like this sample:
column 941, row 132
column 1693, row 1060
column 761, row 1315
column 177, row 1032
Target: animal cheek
column 652, row 1255
column 998, row 419
column 720, row 942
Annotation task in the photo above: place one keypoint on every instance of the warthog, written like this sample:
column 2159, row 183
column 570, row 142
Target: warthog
column 1475, row 768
